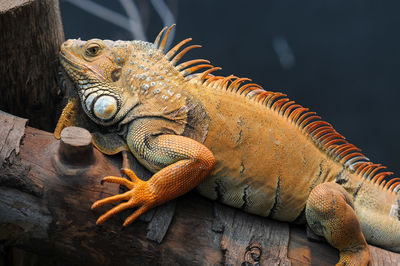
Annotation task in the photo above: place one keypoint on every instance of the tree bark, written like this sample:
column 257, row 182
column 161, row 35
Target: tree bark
column 47, row 186
column 46, row 190
column 45, row 204
column 30, row 37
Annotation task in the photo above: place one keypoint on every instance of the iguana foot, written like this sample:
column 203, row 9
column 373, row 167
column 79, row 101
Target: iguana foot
column 329, row 213
column 139, row 196
column 186, row 163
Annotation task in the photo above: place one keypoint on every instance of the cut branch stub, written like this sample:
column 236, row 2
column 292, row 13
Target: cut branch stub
column 76, row 146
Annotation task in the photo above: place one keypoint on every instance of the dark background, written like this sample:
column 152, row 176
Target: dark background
column 342, row 61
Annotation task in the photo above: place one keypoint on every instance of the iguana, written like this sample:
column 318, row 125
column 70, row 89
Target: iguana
column 237, row 143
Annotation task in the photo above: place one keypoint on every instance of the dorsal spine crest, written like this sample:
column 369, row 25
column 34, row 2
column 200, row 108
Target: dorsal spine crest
column 321, row 133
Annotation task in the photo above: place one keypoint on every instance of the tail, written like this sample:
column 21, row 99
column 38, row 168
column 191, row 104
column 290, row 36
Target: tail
column 379, row 213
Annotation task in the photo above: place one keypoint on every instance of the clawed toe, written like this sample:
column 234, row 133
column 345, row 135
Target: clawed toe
column 135, row 215
column 130, row 174
column 117, row 180
column 113, row 211
column 138, row 196
column 112, row 199
column 121, row 207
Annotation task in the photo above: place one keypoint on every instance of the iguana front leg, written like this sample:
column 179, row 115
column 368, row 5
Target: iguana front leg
column 183, row 164
column 329, row 212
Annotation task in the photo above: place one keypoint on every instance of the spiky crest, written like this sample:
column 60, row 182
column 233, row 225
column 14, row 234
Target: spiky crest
column 320, row 132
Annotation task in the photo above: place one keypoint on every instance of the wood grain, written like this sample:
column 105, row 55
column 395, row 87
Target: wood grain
column 251, row 240
column 30, row 37
column 49, row 214
column 11, row 131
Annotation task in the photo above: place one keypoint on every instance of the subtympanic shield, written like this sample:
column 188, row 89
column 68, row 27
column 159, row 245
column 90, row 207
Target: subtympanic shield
column 105, row 107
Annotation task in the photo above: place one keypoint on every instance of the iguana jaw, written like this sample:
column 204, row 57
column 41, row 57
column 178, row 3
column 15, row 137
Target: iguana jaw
column 76, row 70
column 100, row 102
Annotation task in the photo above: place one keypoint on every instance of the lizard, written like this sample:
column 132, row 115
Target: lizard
column 227, row 137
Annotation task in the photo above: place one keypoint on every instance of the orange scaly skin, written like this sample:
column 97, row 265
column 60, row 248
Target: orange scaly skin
column 238, row 144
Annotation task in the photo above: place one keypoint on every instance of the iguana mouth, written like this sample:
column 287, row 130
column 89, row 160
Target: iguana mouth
column 98, row 101
column 74, row 70
column 66, row 62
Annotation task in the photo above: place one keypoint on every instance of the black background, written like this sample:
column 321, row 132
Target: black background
column 346, row 55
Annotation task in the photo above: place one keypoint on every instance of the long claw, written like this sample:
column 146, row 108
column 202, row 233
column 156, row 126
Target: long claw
column 104, row 179
column 118, row 180
column 112, row 199
column 114, row 211
column 135, row 215
column 130, row 174
column 140, row 195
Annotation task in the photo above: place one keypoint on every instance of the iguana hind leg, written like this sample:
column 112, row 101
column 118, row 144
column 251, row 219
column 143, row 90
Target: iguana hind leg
column 329, row 213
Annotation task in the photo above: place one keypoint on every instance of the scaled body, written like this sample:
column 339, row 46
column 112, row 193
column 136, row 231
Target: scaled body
column 241, row 145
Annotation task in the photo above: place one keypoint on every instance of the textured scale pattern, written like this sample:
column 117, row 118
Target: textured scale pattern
column 273, row 158
column 320, row 132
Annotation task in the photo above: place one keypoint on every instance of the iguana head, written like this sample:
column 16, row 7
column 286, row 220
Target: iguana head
column 95, row 69
column 112, row 77
column 118, row 81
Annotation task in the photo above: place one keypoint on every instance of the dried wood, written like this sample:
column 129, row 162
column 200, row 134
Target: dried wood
column 11, row 131
column 302, row 251
column 159, row 224
column 13, row 171
column 30, row 37
column 59, row 218
column 383, row 257
column 159, row 218
column 56, row 221
column 7, row 5
column 249, row 239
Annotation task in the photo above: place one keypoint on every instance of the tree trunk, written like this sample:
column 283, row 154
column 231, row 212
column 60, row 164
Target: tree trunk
column 30, row 37
column 47, row 187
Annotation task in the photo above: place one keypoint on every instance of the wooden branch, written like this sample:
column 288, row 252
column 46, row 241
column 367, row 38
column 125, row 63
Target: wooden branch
column 45, row 199
column 249, row 238
column 30, row 37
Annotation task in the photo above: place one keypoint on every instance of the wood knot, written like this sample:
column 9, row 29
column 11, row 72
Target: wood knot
column 74, row 154
column 252, row 255
column 76, row 146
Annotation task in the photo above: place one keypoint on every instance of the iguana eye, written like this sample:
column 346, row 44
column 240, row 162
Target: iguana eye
column 93, row 49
